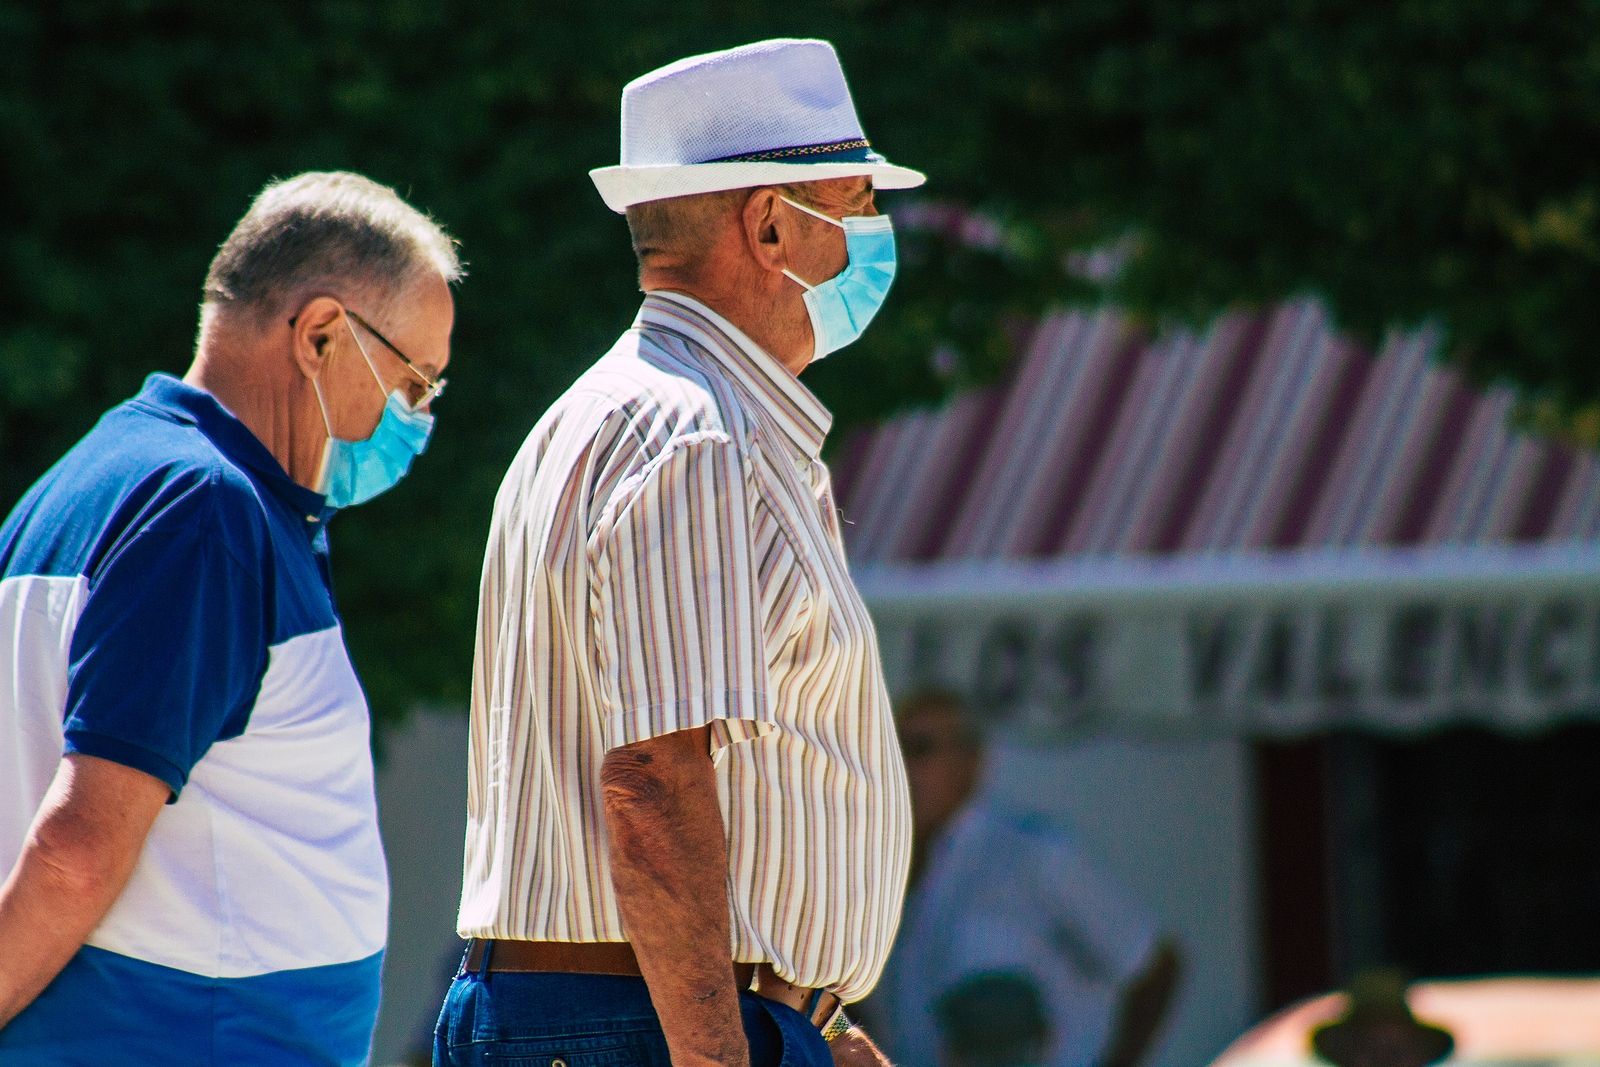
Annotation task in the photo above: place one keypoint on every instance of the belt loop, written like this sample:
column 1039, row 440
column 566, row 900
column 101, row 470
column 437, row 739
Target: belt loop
column 811, row 1006
column 488, row 951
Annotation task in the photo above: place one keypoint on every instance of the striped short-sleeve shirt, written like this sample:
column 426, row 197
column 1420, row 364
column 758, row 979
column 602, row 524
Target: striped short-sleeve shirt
column 664, row 555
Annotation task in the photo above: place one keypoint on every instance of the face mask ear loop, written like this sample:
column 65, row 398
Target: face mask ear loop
column 793, row 277
column 322, row 405
column 812, row 211
column 327, row 425
column 371, row 366
column 787, row 273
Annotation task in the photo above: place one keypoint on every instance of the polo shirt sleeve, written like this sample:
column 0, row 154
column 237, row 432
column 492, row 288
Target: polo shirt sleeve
column 675, row 605
column 172, row 644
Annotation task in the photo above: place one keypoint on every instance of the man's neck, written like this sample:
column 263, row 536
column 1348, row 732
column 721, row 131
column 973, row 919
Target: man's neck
column 263, row 404
column 776, row 333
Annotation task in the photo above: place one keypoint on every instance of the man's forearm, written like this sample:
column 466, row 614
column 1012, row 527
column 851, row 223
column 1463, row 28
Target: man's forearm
column 669, row 863
column 76, row 861
column 46, row 912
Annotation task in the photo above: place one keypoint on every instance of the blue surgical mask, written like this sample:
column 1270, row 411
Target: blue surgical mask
column 841, row 307
column 356, row 471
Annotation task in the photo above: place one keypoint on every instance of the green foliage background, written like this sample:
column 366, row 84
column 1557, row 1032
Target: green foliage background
column 1403, row 159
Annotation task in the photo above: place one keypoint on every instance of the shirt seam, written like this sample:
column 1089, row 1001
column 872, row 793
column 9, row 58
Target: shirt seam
column 616, row 407
column 627, row 490
column 213, row 479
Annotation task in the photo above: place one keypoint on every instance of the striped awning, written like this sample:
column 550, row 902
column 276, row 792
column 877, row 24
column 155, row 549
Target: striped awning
column 1267, row 450
column 1270, row 431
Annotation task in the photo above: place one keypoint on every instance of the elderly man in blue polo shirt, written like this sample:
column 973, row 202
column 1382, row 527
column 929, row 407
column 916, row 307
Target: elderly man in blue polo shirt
column 186, row 792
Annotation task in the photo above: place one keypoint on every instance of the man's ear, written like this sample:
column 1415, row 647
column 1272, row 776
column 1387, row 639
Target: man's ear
column 314, row 327
column 766, row 230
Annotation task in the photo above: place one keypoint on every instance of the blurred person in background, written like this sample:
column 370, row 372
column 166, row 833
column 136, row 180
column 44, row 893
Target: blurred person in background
column 688, row 822
column 186, row 784
column 1004, row 893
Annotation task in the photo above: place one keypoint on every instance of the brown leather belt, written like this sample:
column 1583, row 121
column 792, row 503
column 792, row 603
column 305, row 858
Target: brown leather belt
column 616, row 957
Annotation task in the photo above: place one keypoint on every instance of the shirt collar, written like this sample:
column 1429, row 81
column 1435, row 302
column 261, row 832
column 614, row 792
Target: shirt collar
column 802, row 417
column 178, row 400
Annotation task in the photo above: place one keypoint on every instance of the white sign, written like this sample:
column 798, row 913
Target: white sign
column 1283, row 653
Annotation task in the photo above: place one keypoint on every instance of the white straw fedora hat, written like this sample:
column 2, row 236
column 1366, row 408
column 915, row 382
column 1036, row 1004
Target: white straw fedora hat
column 768, row 113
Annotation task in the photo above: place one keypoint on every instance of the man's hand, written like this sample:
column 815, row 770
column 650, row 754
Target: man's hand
column 79, row 855
column 854, row 1048
column 669, row 863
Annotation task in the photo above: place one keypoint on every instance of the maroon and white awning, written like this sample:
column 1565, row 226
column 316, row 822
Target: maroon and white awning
column 1261, row 527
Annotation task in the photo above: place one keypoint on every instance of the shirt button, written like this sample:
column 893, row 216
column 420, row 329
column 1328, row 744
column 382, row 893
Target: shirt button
column 311, row 518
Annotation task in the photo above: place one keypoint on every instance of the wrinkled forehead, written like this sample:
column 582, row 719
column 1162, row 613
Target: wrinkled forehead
column 854, row 192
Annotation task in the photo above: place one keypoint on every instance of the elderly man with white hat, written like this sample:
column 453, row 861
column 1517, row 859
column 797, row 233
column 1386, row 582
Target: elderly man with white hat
column 688, row 826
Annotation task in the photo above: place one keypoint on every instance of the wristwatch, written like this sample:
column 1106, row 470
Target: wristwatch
column 838, row 1025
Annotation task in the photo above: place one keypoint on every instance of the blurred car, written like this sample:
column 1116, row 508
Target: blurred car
column 1515, row 1021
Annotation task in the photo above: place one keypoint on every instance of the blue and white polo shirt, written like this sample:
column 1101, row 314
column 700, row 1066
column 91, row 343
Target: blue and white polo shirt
column 165, row 603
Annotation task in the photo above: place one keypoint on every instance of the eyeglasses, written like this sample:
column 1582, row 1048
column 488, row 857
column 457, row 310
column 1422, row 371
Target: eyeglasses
column 432, row 386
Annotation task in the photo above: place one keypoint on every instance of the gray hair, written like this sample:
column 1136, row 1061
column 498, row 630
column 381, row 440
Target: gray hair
column 327, row 229
column 680, row 226
column 685, row 227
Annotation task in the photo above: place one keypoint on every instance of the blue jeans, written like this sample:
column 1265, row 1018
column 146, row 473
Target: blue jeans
column 507, row 1019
